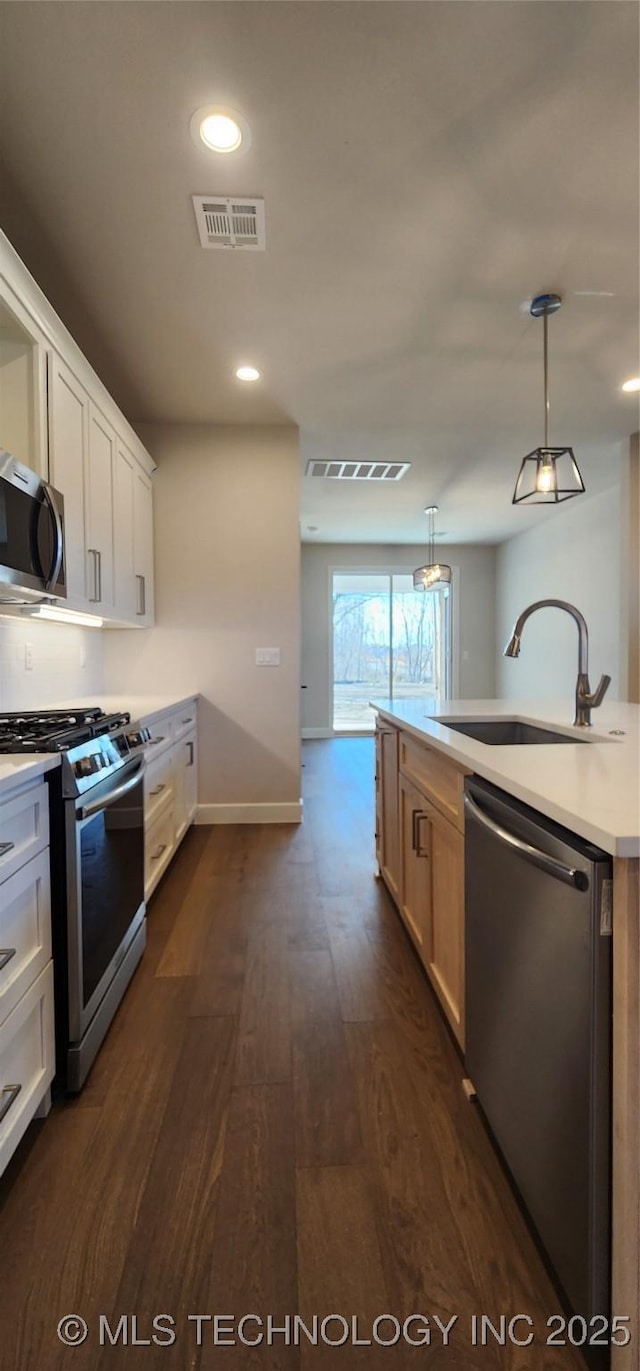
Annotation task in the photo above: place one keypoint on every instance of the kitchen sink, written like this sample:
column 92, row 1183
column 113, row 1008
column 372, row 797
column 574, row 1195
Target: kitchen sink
column 507, row 732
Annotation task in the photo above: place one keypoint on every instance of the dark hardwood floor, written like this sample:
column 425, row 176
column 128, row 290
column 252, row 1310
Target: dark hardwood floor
column 275, row 1126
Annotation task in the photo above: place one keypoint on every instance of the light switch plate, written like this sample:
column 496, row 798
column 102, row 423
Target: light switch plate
column 28, row 656
column 267, row 656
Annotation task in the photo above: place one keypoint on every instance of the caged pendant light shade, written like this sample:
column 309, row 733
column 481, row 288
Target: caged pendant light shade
column 434, row 575
column 547, row 475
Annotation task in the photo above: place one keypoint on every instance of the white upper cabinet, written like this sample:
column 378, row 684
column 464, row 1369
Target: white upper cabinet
column 68, row 447
column 123, row 516
column 143, row 545
column 57, row 418
column 133, row 539
column 23, row 400
column 99, row 511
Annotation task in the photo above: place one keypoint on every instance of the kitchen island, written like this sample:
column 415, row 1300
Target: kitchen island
column 591, row 788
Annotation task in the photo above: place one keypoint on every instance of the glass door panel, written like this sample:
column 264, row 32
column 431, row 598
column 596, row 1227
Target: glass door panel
column 419, row 641
column 389, row 640
column 361, row 648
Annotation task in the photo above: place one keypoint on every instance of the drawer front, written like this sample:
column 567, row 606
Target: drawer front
column 159, row 848
column 158, row 785
column 440, row 779
column 24, row 828
column 27, row 1061
column 161, row 731
column 25, row 930
column 184, row 720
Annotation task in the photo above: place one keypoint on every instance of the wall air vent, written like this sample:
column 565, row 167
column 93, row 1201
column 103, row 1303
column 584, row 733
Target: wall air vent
column 357, row 471
column 225, row 222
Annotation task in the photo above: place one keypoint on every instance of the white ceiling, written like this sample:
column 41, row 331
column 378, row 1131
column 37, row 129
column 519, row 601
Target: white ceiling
column 426, row 166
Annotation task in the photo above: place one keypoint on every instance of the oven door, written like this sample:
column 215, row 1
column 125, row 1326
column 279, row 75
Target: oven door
column 32, row 559
column 105, row 869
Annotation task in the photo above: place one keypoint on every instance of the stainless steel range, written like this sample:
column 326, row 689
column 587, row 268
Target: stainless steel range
column 97, row 870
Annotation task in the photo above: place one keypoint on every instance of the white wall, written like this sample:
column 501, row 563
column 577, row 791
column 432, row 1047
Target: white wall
column 227, row 568
column 476, row 591
column 574, row 554
column 57, row 672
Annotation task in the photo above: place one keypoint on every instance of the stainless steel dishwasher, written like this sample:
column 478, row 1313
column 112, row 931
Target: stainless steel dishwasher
column 538, row 1025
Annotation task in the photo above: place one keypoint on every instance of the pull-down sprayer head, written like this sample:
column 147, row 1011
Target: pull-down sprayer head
column 513, row 646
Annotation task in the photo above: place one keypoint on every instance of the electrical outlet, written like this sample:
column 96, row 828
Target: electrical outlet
column 28, row 656
column 267, row 656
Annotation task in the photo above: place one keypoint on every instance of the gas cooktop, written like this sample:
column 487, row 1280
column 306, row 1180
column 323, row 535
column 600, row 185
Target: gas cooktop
column 56, row 730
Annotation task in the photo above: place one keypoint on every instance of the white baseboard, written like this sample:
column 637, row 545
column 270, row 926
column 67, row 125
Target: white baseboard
column 317, row 733
column 250, row 814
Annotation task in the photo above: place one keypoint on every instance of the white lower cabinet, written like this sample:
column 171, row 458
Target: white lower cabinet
column 27, row 1035
column 170, row 787
column 159, row 847
column 25, row 930
column 27, row 1061
column 186, row 782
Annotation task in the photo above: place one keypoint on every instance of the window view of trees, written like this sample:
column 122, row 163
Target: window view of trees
column 387, row 639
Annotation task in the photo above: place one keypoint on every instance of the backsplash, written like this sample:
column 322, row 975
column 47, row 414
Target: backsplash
column 66, row 663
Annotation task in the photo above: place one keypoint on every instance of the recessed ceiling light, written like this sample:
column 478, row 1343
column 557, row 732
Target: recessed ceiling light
column 247, row 374
column 632, row 384
column 220, row 129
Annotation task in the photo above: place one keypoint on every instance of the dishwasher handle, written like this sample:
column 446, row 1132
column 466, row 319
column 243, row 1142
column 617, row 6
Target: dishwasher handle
column 578, row 879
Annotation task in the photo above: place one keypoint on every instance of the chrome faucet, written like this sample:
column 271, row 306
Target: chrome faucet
column 585, row 700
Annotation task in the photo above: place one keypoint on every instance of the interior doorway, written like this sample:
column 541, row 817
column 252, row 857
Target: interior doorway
column 389, row 641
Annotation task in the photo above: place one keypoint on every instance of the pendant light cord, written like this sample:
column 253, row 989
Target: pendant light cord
column 545, row 319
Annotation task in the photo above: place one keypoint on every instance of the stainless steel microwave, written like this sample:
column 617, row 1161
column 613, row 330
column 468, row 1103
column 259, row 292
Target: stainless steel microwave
column 32, row 553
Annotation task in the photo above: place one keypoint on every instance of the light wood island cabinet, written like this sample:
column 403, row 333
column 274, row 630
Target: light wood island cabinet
column 420, row 817
column 387, row 820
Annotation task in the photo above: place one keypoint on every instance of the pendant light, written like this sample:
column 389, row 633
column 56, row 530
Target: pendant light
column 548, row 474
column 435, row 574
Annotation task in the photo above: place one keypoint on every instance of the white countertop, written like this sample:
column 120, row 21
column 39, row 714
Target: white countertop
column 142, row 708
column 18, row 767
column 591, row 788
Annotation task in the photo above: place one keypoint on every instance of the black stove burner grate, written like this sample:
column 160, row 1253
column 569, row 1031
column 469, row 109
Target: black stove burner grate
column 56, row 730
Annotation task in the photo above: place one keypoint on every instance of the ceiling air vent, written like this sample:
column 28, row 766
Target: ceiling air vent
column 358, row 471
column 225, row 222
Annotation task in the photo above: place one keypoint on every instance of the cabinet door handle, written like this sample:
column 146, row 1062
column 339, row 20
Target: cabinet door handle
column 142, row 595
column 414, row 839
column 6, row 847
column 191, row 753
column 158, row 790
column 97, row 575
column 155, row 856
column 9, row 1095
column 6, row 953
column 419, row 849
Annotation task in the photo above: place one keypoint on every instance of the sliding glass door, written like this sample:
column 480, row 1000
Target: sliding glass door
column 389, row 640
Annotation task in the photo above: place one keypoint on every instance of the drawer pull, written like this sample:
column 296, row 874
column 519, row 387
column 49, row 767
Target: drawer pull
column 11, row 1092
column 6, row 953
column 6, row 847
column 187, row 721
column 155, row 857
column 158, row 790
column 153, row 742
